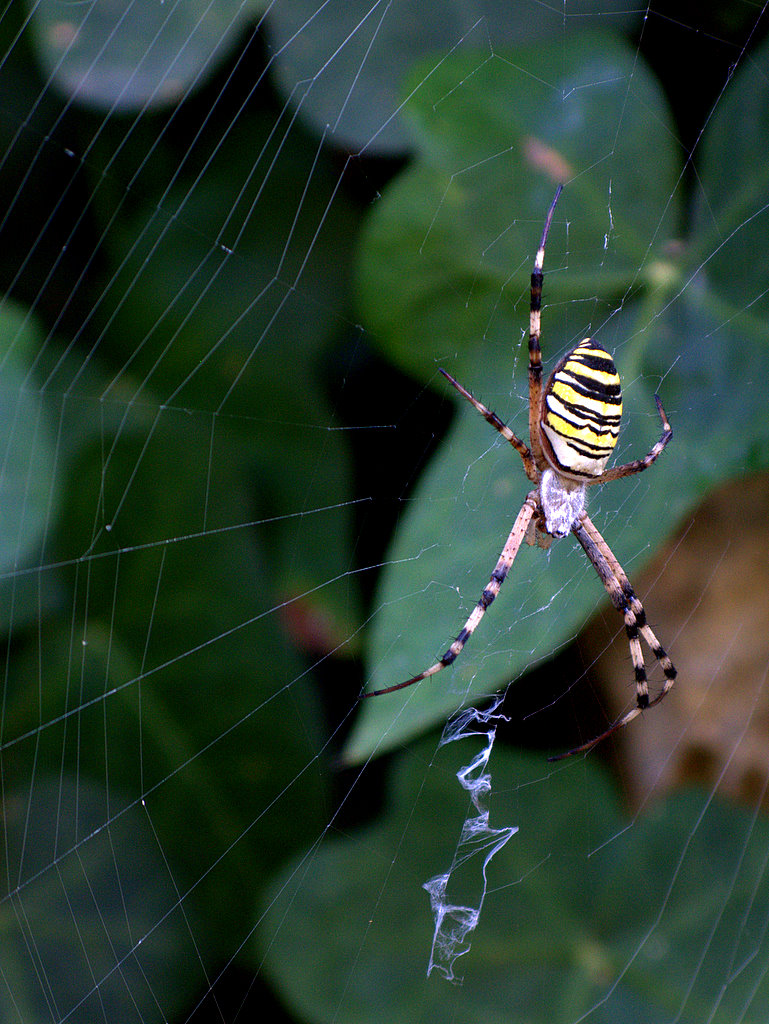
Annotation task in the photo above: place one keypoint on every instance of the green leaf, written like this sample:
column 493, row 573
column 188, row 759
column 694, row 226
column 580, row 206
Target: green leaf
column 451, row 254
column 185, row 694
column 91, row 922
column 228, row 299
column 586, row 913
column 442, row 557
column 447, row 253
column 30, row 470
column 131, row 57
column 27, row 447
column 358, row 92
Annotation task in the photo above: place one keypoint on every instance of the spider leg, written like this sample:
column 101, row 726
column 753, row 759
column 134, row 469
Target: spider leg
column 637, row 465
column 624, row 599
column 619, row 724
column 638, row 610
column 535, row 332
column 491, row 417
column 491, row 590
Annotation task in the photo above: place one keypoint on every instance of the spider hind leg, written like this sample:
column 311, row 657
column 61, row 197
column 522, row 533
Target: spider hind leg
column 624, row 599
column 488, row 594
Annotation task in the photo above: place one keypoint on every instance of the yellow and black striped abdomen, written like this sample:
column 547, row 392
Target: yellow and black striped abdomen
column 581, row 410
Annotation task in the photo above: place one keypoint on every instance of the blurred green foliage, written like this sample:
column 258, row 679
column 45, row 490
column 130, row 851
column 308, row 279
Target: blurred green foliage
column 186, row 260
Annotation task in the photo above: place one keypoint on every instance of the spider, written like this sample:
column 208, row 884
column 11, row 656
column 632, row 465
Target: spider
column 573, row 428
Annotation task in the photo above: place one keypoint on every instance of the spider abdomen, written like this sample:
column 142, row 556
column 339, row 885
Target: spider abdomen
column 581, row 411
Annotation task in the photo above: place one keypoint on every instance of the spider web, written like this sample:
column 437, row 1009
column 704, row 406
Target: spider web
column 240, row 240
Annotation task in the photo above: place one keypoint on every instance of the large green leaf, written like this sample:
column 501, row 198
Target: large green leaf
column 169, row 682
column 444, row 279
column 226, row 296
column 443, row 270
column 586, row 913
column 29, row 467
column 27, row 446
column 135, row 56
column 357, row 92
column 91, row 923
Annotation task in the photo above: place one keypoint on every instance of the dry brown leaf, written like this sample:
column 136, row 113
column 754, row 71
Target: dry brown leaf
column 706, row 596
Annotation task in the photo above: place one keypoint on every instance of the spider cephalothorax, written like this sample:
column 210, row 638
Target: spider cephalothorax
column 573, row 428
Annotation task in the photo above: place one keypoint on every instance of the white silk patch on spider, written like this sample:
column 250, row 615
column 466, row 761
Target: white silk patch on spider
column 563, row 502
column 456, row 921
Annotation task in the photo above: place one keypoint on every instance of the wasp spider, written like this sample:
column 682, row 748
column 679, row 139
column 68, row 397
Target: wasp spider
column 573, row 428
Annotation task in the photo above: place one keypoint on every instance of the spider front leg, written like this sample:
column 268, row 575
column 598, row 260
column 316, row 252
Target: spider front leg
column 638, row 465
column 535, row 334
column 624, row 599
column 490, row 591
column 491, row 417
